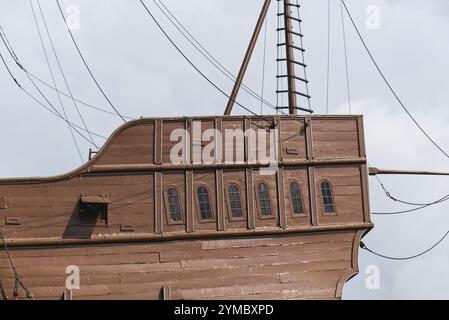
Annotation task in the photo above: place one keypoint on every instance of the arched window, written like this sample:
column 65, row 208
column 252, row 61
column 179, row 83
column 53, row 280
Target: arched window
column 204, row 203
column 234, row 201
column 328, row 198
column 296, row 197
column 174, row 205
column 264, row 200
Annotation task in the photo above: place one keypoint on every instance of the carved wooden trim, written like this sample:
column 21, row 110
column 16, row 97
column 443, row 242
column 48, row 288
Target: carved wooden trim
column 150, row 237
column 228, row 203
column 197, row 205
column 257, row 202
column 170, row 222
column 289, row 197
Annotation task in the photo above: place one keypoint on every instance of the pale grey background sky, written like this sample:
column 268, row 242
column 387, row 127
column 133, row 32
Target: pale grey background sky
column 144, row 76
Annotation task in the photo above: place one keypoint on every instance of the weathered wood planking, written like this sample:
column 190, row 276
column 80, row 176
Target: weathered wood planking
column 291, row 266
column 135, row 170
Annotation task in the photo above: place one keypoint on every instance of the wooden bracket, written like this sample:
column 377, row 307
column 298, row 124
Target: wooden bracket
column 10, row 221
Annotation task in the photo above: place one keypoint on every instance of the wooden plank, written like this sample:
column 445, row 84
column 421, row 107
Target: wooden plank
column 158, row 215
column 281, row 198
column 312, row 196
column 190, row 219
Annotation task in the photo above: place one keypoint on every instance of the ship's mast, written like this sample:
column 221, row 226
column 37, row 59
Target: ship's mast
column 288, row 58
column 248, row 55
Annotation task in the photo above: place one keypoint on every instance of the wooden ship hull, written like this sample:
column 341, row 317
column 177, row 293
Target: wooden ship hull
column 138, row 227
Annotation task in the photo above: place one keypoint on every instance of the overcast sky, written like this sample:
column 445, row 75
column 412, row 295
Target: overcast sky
column 144, row 76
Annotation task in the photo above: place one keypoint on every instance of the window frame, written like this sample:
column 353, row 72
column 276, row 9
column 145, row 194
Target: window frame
column 99, row 222
column 332, row 213
column 228, row 203
column 170, row 221
column 197, row 205
column 259, row 209
column 301, row 194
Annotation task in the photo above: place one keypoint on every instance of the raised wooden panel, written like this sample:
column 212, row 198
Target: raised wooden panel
column 168, row 128
column 335, row 138
column 176, row 180
column 262, row 141
column 237, row 178
column 233, row 141
column 276, row 267
column 293, row 139
column 207, row 180
column 270, row 181
column 347, row 191
column 134, row 145
column 299, row 176
column 203, row 141
column 51, row 210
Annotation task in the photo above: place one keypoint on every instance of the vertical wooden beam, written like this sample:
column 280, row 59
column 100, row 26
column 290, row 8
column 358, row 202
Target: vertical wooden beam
column 247, row 58
column 158, row 141
column 190, row 218
column 281, row 197
column 219, row 188
column 158, row 214
column 249, row 179
column 361, row 137
column 365, row 193
column 308, row 138
column 312, row 196
column 251, row 214
column 281, row 178
column 363, row 171
column 311, row 172
column 292, row 101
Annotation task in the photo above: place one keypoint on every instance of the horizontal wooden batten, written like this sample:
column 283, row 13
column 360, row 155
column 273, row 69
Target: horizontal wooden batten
column 138, row 238
column 219, row 166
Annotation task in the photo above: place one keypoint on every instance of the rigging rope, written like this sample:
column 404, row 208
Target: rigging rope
column 363, row 246
column 29, row 76
column 206, row 53
column 18, row 279
column 63, row 74
column 16, row 59
column 421, row 206
column 54, row 111
column 85, row 63
column 54, row 80
column 390, row 86
column 303, row 55
column 193, row 65
column 388, row 194
column 328, row 54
